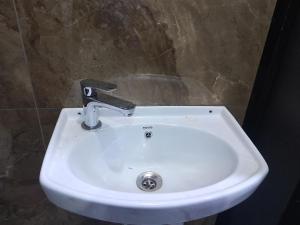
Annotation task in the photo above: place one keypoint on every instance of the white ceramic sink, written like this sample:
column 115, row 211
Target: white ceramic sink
column 206, row 162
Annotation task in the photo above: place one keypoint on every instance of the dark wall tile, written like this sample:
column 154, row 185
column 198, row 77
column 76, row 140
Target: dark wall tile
column 48, row 119
column 205, row 221
column 22, row 201
column 21, row 156
column 15, row 86
column 21, row 146
column 27, row 205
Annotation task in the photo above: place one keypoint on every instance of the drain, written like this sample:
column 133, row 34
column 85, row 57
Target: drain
column 149, row 181
column 148, row 134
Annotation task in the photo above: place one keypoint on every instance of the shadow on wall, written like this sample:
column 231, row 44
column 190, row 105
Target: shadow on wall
column 159, row 89
column 152, row 89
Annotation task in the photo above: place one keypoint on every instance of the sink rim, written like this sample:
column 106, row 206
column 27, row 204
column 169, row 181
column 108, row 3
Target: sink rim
column 186, row 197
column 158, row 200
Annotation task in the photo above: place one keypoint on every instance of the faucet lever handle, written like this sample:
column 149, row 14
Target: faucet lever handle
column 88, row 85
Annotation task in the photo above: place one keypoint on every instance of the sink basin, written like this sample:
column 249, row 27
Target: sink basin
column 115, row 158
column 204, row 159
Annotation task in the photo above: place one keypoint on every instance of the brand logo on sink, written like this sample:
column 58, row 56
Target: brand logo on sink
column 147, row 127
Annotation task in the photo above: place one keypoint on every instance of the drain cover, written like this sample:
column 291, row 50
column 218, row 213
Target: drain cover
column 149, row 181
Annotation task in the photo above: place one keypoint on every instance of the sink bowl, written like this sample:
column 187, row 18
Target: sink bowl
column 204, row 160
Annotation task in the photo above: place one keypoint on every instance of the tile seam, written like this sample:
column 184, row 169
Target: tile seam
column 29, row 73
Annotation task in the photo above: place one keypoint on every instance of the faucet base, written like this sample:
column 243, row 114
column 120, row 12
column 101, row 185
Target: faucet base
column 86, row 127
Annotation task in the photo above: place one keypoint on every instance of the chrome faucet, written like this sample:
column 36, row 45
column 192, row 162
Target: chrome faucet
column 93, row 100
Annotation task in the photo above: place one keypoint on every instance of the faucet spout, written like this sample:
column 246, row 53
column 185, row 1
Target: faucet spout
column 92, row 101
column 111, row 102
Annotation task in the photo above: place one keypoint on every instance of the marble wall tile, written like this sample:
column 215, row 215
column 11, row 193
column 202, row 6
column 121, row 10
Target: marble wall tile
column 219, row 44
column 15, row 84
column 66, row 42
column 214, row 44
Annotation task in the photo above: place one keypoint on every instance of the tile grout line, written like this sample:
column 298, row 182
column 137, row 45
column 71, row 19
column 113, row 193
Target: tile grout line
column 29, row 74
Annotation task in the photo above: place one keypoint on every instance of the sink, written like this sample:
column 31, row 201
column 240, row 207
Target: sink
column 162, row 165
